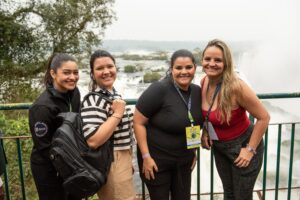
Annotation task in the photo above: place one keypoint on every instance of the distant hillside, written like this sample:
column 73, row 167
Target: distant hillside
column 127, row 45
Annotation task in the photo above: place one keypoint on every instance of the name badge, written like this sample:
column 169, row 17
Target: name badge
column 193, row 136
column 211, row 131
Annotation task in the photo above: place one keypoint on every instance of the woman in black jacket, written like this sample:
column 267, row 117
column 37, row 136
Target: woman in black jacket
column 60, row 95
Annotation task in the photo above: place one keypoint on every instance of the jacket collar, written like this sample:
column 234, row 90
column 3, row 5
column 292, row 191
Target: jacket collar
column 65, row 96
column 112, row 95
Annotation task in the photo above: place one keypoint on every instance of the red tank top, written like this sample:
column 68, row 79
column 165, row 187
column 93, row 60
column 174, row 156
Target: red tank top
column 238, row 124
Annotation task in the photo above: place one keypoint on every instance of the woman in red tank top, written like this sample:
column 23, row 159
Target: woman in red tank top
column 236, row 143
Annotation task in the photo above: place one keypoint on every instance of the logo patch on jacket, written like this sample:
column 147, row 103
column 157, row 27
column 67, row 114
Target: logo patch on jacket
column 40, row 129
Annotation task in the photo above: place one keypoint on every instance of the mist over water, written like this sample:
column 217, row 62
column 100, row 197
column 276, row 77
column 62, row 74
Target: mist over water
column 272, row 65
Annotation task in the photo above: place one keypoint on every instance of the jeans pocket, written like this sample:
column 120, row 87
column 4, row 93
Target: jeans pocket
column 234, row 151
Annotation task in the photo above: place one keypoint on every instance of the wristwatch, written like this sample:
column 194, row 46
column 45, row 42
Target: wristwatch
column 250, row 149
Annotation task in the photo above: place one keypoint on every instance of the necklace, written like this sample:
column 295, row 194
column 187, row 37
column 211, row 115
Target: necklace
column 210, row 95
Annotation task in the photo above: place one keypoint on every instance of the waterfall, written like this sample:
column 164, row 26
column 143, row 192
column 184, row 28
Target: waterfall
column 261, row 80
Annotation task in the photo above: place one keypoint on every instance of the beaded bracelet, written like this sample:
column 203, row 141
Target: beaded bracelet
column 146, row 155
column 116, row 117
column 250, row 149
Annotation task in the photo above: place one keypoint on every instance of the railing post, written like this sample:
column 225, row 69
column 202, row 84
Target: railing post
column 143, row 191
column 21, row 168
column 278, row 161
column 5, row 178
column 211, row 175
column 198, row 173
column 265, row 165
column 291, row 161
column 7, row 194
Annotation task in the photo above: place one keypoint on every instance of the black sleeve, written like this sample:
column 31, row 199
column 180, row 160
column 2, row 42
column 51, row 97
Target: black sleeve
column 42, row 123
column 151, row 100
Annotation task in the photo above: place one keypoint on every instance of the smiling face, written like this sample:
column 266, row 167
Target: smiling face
column 65, row 77
column 104, row 72
column 213, row 62
column 183, row 71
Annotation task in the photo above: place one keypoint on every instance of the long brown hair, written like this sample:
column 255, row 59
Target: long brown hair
column 230, row 81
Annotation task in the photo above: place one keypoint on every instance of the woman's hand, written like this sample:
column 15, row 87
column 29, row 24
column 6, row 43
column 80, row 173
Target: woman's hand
column 118, row 107
column 244, row 158
column 206, row 143
column 149, row 166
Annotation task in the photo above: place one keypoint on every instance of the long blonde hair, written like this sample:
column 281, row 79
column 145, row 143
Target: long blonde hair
column 230, row 81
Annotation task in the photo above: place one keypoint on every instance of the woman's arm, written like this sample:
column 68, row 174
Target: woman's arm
column 106, row 129
column 139, row 123
column 247, row 99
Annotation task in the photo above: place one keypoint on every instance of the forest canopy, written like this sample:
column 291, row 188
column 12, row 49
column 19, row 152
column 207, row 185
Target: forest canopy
column 32, row 30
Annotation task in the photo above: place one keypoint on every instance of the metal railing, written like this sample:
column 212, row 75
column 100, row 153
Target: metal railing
column 261, row 193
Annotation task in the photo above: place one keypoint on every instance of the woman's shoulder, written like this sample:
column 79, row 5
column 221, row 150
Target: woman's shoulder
column 161, row 85
column 39, row 110
column 239, row 86
column 95, row 99
column 44, row 99
column 195, row 86
column 202, row 81
column 76, row 93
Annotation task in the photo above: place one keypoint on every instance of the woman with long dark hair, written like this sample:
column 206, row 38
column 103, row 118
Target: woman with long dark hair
column 60, row 95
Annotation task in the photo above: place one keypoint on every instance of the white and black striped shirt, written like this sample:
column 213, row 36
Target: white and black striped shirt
column 95, row 111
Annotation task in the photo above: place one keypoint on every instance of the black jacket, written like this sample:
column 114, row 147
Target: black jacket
column 43, row 120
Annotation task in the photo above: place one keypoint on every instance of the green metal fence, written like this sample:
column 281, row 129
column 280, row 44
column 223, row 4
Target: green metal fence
column 262, row 193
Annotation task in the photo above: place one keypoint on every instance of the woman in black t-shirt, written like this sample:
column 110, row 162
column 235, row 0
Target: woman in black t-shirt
column 163, row 113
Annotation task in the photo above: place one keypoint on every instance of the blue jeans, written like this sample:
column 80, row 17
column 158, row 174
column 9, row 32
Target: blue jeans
column 238, row 183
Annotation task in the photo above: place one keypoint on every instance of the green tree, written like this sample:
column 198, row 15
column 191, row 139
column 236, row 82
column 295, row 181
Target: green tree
column 17, row 45
column 72, row 26
column 197, row 52
column 150, row 77
column 31, row 30
column 130, row 69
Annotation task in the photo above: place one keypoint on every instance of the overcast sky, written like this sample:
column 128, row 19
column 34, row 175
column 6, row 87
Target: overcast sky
column 196, row 20
column 274, row 65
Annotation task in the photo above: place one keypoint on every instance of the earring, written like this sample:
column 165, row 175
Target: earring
column 92, row 77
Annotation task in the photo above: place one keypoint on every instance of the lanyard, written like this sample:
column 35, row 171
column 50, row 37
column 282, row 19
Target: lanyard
column 213, row 100
column 187, row 104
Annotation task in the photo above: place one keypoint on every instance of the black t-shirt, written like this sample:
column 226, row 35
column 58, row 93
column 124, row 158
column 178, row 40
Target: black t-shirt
column 168, row 118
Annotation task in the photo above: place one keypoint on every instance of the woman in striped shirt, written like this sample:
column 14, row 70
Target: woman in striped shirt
column 103, row 119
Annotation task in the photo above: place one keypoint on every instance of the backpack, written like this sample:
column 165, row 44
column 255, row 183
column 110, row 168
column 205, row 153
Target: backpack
column 84, row 170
